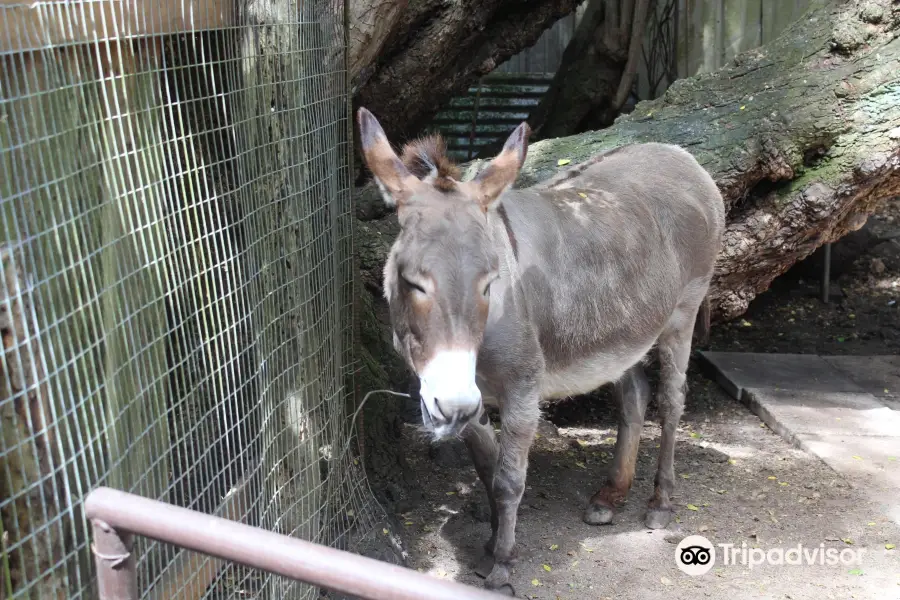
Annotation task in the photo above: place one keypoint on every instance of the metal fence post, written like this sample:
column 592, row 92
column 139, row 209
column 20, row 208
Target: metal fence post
column 116, row 570
column 826, row 275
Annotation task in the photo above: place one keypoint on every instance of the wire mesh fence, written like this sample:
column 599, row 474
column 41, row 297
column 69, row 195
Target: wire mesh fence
column 177, row 281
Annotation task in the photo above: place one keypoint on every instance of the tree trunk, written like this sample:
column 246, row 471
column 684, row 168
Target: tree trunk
column 408, row 59
column 802, row 137
column 588, row 76
column 598, row 70
column 596, row 73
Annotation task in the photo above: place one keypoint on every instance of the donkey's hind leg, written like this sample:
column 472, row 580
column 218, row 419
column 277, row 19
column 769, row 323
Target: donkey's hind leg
column 632, row 395
column 674, row 353
column 482, row 444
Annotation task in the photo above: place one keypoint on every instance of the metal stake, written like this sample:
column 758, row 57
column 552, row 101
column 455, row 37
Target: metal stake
column 826, row 275
column 116, row 569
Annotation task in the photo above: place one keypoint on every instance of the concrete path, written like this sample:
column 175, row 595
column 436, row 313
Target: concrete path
column 843, row 409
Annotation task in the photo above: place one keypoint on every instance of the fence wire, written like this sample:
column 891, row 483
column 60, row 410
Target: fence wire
column 176, row 300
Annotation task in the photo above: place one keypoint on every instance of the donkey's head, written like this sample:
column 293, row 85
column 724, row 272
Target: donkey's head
column 438, row 276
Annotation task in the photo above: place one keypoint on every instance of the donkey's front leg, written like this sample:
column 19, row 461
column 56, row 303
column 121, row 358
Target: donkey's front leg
column 519, row 415
column 482, row 444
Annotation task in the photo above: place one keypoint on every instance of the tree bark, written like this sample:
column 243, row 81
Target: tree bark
column 416, row 58
column 802, row 137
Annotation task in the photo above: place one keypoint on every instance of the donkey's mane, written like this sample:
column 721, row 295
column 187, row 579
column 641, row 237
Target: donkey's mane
column 427, row 156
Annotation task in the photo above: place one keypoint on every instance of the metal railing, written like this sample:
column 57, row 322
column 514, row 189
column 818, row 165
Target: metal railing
column 117, row 517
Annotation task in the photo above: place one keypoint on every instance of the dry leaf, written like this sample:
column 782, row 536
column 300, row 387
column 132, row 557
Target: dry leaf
column 562, row 162
column 692, row 507
column 535, row 582
column 547, row 568
column 554, row 547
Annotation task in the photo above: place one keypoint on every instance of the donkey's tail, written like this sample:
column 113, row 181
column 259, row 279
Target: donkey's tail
column 702, row 326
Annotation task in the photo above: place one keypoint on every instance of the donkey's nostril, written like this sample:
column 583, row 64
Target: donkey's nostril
column 437, row 405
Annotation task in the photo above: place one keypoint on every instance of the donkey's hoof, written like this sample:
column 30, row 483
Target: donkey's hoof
column 597, row 514
column 499, row 577
column 659, row 518
column 485, row 565
column 506, row 590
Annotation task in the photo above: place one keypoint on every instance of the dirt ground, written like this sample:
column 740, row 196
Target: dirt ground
column 738, row 482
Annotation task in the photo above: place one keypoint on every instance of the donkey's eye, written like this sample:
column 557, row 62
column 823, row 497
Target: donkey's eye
column 413, row 285
column 487, row 286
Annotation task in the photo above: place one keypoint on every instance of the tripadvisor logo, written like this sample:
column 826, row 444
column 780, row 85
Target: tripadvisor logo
column 696, row 555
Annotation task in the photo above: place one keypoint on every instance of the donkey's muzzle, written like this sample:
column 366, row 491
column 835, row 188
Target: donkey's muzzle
column 446, row 418
column 450, row 397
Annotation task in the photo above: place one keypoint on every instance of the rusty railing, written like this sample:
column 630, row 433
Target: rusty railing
column 118, row 516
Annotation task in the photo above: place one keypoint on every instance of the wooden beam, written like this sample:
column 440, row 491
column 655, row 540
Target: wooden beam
column 29, row 26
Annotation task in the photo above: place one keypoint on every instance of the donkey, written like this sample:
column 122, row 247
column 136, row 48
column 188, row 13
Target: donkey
column 510, row 296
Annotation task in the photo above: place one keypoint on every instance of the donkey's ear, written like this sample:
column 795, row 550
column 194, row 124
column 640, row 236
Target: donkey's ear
column 501, row 172
column 394, row 180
